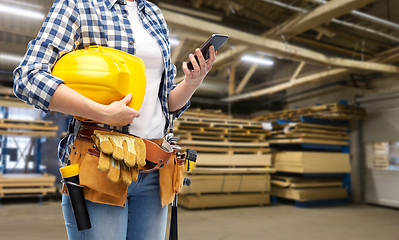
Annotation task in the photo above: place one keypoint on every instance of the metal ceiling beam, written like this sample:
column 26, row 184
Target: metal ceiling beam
column 273, row 47
column 383, row 58
column 318, row 16
column 367, row 17
column 334, row 20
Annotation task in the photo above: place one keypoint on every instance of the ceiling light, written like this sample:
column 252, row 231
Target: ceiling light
column 21, row 12
column 174, row 41
column 257, row 60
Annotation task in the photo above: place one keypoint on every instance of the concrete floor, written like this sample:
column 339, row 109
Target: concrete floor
column 29, row 220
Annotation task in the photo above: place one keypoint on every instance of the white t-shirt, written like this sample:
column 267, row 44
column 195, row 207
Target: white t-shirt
column 151, row 122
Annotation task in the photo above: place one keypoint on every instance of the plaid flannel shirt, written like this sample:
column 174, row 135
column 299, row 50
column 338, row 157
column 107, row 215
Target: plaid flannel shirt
column 77, row 24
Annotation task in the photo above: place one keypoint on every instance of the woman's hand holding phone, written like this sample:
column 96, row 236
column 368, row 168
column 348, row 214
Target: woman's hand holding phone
column 195, row 77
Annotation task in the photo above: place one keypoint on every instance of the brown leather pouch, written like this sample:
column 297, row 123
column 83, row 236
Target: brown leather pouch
column 171, row 178
column 178, row 176
column 166, row 190
column 97, row 187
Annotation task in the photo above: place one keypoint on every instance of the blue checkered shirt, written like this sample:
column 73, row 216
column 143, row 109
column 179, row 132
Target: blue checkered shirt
column 77, row 24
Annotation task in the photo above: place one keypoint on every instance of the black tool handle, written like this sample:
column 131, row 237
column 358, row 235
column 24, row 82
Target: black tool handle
column 78, row 203
column 173, row 224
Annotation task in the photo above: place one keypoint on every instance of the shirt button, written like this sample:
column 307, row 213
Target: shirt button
column 125, row 15
column 131, row 42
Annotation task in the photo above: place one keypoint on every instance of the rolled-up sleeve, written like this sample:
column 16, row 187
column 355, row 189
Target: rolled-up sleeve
column 59, row 34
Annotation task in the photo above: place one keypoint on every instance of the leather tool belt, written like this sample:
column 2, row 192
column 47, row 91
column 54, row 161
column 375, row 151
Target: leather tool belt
column 97, row 188
column 157, row 156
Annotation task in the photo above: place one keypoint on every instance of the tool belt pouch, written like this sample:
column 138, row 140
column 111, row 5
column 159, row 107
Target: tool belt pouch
column 171, row 178
column 178, row 175
column 97, row 187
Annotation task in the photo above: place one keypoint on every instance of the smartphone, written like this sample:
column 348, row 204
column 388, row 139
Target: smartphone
column 216, row 40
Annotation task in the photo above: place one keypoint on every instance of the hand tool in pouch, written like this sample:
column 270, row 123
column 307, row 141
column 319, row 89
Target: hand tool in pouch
column 70, row 175
column 188, row 159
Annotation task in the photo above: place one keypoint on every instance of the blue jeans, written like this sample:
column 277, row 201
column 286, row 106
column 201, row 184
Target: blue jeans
column 141, row 219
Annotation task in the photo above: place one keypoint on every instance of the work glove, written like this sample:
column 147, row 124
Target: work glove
column 120, row 154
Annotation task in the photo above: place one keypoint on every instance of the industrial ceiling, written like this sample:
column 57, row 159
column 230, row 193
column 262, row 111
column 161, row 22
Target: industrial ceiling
column 307, row 41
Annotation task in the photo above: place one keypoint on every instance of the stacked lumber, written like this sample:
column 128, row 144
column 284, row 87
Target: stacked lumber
column 8, row 99
column 381, row 155
column 311, row 162
column 333, row 111
column 34, row 128
column 297, row 133
column 306, row 150
column 18, row 185
column 308, row 189
column 232, row 167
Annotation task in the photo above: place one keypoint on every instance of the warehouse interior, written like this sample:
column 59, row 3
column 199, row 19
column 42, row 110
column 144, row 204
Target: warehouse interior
column 296, row 126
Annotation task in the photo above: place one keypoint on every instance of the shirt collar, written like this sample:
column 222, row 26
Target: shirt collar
column 140, row 4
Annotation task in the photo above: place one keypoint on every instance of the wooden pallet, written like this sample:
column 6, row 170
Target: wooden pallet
column 223, row 200
column 18, row 185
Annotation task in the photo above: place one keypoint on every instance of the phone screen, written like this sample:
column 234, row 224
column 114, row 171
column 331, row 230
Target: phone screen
column 217, row 40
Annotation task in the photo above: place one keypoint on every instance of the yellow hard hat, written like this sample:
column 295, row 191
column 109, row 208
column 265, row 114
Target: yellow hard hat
column 103, row 74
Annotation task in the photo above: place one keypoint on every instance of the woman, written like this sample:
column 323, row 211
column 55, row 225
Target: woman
column 137, row 28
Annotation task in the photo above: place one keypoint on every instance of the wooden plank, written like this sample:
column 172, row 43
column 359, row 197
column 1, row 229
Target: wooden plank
column 28, row 127
column 28, row 133
column 206, row 113
column 309, row 194
column 223, row 200
column 14, row 191
column 26, row 177
column 233, row 160
column 18, row 121
column 13, row 185
column 308, row 140
column 201, row 184
column 230, row 144
column 311, row 162
column 310, row 135
column 315, row 111
column 305, row 183
column 317, row 131
column 222, row 137
column 318, row 126
column 227, row 150
column 218, row 134
column 230, row 170
column 247, row 122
